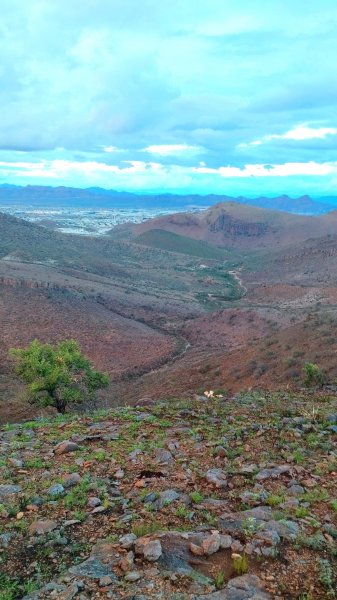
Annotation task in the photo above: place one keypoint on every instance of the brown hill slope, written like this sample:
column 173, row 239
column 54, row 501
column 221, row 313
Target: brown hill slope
column 233, row 225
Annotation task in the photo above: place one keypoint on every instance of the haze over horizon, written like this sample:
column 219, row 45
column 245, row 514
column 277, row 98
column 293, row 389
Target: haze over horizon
column 182, row 97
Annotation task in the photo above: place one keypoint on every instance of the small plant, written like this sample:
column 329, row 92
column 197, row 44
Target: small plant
column 301, row 512
column 326, row 577
column 240, row 563
column 275, row 499
column 141, row 528
column 313, row 375
column 196, row 497
column 249, row 526
column 183, row 512
column 219, row 580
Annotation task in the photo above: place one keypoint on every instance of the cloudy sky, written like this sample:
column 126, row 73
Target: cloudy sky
column 221, row 96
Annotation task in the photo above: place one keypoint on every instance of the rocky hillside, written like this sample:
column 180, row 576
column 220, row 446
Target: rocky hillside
column 203, row 499
column 233, row 225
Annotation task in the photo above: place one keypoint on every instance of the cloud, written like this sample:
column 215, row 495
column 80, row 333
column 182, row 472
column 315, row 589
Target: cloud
column 179, row 82
column 172, row 149
column 298, row 133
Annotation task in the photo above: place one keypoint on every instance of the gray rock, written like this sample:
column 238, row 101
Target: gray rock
column 15, row 462
column 127, row 541
column 272, row 473
column 71, row 480
column 133, row 576
column 5, row 539
column 165, row 498
column 153, row 550
column 163, row 456
column 93, row 502
column 296, row 490
column 56, row 490
column 226, row 541
column 8, row 490
column 245, row 587
column 216, row 477
column 93, row 568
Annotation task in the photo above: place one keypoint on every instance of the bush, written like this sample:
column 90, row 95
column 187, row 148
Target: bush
column 57, row 375
column 313, row 375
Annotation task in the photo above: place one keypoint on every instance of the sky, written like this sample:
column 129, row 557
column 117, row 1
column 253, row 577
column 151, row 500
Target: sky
column 184, row 96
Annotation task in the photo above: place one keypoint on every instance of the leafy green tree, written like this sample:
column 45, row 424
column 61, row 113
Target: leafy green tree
column 313, row 375
column 57, row 375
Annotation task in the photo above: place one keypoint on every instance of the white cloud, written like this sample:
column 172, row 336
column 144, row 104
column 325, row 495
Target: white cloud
column 169, row 149
column 136, row 174
column 298, row 133
column 262, row 170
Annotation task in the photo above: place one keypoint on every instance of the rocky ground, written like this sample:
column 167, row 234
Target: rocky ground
column 208, row 498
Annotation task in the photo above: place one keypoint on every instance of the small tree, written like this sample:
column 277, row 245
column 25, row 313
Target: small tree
column 57, row 375
column 313, row 375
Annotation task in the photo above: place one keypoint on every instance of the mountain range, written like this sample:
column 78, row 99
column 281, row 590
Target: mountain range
column 104, row 198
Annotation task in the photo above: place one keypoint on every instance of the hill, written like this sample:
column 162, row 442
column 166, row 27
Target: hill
column 232, row 225
column 166, row 240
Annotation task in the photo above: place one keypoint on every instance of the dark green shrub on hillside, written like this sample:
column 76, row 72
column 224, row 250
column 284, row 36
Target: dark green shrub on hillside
column 57, row 375
column 313, row 375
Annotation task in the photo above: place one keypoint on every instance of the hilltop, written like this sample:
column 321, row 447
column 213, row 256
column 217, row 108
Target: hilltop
column 209, row 498
column 233, row 225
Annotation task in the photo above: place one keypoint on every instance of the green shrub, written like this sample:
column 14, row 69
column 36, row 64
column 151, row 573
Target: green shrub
column 57, row 375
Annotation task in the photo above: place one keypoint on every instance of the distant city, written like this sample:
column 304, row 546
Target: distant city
column 85, row 221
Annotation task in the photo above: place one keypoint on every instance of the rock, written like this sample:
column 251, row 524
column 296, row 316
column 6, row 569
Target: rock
column 105, row 581
column 165, row 498
column 56, row 490
column 163, row 456
column 216, row 477
column 119, row 474
column 93, row 568
column 196, row 550
column 93, row 502
column 127, row 541
column 211, row 543
column 42, row 527
column 5, row 539
column 296, row 490
column 245, row 587
column 133, row 456
column 8, row 490
column 287, row 530
column 127, row 561
column 71, row 479
column 226, row 541
column 133, row 576
column 236, row 547
column 152, row 550
column 65, row 447
column 15, row 462
column 272, row 473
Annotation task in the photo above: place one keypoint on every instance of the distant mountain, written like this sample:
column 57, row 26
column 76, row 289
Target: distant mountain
column 102, row 198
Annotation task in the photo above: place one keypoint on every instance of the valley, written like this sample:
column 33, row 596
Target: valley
column 166, row 313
